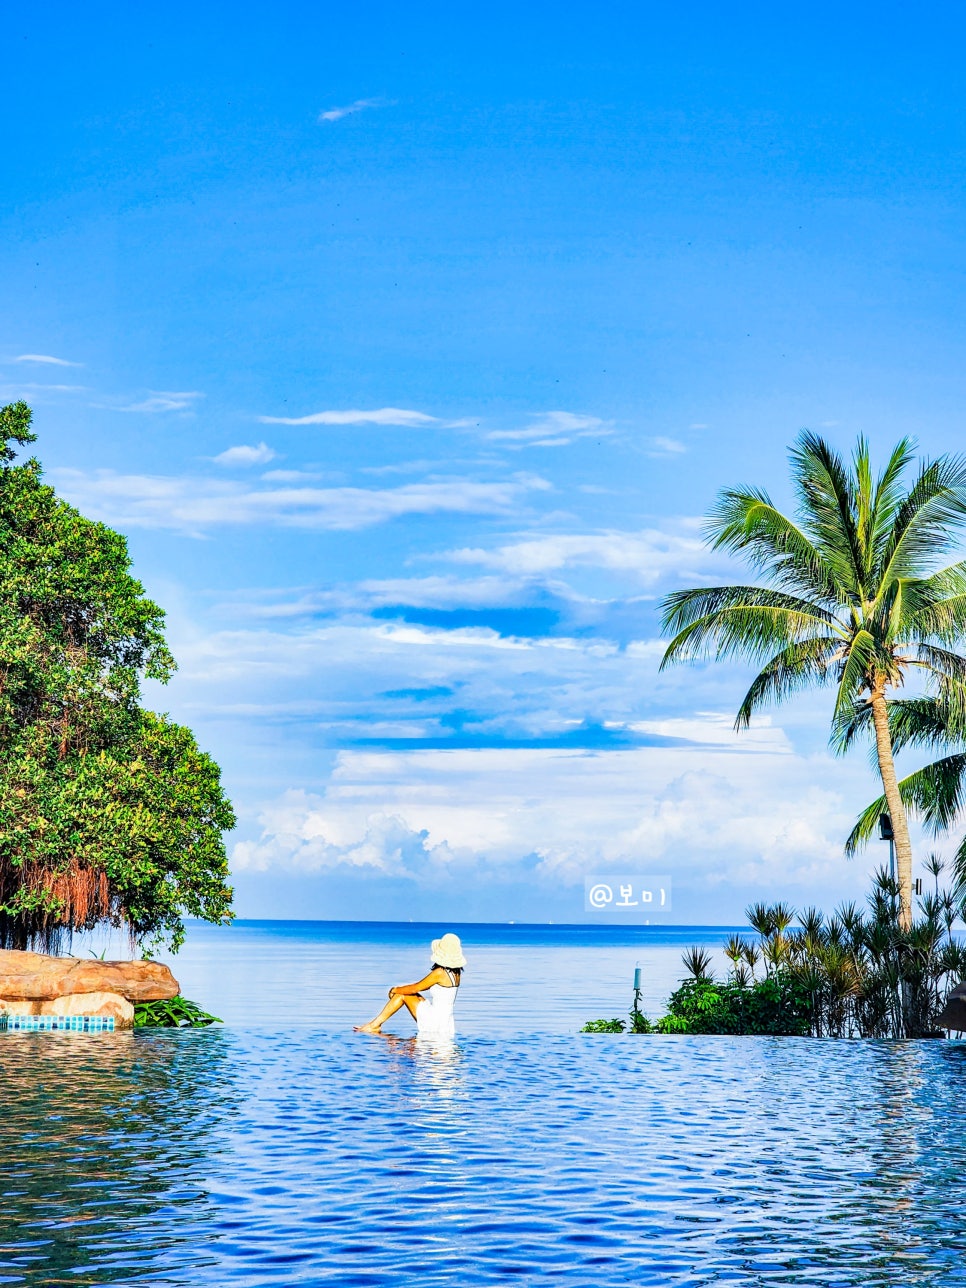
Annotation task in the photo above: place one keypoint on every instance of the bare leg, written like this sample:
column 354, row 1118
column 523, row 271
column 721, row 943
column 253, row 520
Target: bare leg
column 410, row 1001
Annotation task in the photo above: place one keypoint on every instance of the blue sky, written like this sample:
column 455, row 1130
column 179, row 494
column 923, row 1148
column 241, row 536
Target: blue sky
column 408, row 347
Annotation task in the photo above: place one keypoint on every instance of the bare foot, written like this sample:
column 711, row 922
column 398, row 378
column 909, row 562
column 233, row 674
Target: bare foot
column 367, row 1028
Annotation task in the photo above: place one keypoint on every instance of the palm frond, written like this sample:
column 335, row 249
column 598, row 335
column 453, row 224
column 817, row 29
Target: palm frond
column 937, row 604
column 828, row 497
column 927, row 520
column 865, row 825
column 936, row 794
column 924, row 722
column 959, row 873
column 684, row 607
column 729, row 621
column 941, row 619
column 849, row 722
column 744, row 521
column 796, row 667
column 858, row 665
column 889, row 495
column 943, row 663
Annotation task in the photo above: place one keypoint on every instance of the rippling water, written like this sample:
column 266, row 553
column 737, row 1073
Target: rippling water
column 296, row 1155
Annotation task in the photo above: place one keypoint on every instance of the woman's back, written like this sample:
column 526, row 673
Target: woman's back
column 435, row 1014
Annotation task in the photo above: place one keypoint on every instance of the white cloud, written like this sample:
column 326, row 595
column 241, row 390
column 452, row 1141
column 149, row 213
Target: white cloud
column 260, row 454
column 191, row 505
column 741, row 815
column 552, row 429
column 378, row 416
column 163, row 401
column 338, row 672
column 302, row 476
column 718, row 729
column 47, row 359
column 358, row 659
column 660, row 447
column 649, row 554
column 55, row 389
column 296, row 835
column 360, row 597
column 360, row 105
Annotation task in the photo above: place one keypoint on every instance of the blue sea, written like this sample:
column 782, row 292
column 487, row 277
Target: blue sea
column 281, row 1148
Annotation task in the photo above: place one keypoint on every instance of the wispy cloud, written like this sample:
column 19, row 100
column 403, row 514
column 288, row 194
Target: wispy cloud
column 360, row 105
column 432, row 592
column 159, row 400
column 192, row 505
column 661, row 447
column 378, row 416
column 47, row 359
column 33, row 386
column 552, row 429
column 649, row 554
column 260, row 454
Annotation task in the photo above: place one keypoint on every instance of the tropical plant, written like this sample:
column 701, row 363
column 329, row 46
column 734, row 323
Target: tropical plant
column 853, row 974
column 851, row 597
column 696, row 961
column 108, row 812
column 604, row 1026
column 175, row 1013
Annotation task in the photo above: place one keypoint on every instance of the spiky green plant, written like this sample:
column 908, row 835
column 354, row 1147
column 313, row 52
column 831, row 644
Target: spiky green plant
column 853, row 974
column 852, row 596
column 696, row 962
column 174, row 1013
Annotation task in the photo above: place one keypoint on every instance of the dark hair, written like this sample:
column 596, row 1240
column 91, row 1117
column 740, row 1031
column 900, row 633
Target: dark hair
column 457, row 970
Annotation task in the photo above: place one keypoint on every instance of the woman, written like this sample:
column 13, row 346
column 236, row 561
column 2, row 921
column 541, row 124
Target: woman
column 433, row 1012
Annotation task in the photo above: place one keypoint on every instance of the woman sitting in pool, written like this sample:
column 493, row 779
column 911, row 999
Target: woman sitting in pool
column 430, row 1002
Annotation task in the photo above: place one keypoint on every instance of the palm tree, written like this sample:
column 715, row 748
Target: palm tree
column 936, row 793
column 851, row 597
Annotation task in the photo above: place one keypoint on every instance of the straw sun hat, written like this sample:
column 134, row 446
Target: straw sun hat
column 448, row 951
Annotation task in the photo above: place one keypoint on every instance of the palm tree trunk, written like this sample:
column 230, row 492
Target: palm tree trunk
column 897, row 811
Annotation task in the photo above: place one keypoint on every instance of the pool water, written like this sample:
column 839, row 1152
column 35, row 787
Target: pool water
column 305, row 1154
column 233, row 1157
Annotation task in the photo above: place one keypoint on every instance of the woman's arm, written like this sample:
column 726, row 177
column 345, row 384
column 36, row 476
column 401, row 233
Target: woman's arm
column 407, row 990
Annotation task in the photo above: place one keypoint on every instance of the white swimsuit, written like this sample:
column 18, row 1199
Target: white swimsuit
column 434, row 1014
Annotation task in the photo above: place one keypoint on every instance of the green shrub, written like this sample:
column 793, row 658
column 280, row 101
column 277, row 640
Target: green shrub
column 175, row 1013
column 852, row 974
column 775, row 1005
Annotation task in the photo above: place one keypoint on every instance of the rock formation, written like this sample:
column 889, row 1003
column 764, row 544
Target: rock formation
column 35, row 984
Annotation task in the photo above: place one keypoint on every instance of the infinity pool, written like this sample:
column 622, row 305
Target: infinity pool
column 241, row 1157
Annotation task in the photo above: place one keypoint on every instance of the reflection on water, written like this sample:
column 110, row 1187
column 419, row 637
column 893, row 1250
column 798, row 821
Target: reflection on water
column 433, row 1062
column 106, row 1142
column 251, row 1158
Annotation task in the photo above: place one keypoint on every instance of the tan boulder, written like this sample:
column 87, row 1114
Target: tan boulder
column 106, row 1004
column 8, row 1007
column 37, row 977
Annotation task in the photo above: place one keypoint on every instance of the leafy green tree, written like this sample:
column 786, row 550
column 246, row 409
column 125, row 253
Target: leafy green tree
column 851, row 597
column 108, row 812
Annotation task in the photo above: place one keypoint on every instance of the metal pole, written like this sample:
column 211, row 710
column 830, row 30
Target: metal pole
column 892, row 859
